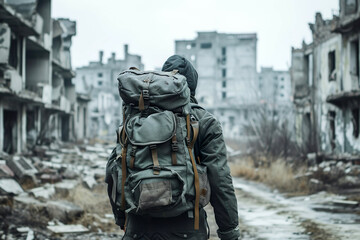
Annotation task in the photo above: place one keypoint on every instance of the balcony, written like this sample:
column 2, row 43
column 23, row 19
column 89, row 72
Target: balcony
column 17, row 22
column 345, row 99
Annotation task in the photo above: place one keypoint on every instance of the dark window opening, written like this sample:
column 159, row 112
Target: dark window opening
column 206, row 45
column 355, row 122
column 65, row 128
column 224, row 84
column 354, row 58
column 223, row 72
column 332, row 116
column 10, row 132
column 78, row 114
column 100, row 83
column 100, row 74
column 350, row 6
column 193, row 45
column 232, row 121
column 332, row 66
column 223, row 95
column 13, row 55
column 84, row 121
column 245, row 114
column 223, row 51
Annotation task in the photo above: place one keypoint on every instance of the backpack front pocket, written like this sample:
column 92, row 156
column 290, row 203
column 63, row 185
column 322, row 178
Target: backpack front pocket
column 155, row 194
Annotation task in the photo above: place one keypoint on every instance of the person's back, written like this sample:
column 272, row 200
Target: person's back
column 210, row 151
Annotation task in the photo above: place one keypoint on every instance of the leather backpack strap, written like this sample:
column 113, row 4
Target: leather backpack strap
column 190, row 145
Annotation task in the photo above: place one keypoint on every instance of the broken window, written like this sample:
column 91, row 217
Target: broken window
column 10, row 131
column 206, row 45
column 84, row 120
column 232, row 121
column 354, row 58
column 223, row 51
column 355, row 122
column 331, row 117
column 13, row 56
column 223, row 72
column 350, row 6
column 332, row 66
column 309, row 68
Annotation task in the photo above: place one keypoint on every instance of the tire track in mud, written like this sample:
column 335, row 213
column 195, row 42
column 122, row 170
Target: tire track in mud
column 267, row 215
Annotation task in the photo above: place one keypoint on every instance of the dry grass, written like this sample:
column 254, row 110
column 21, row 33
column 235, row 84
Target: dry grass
column 95, row 203
column 276, row 174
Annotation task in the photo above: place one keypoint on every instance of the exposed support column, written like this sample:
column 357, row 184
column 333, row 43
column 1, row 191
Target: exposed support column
column 24, row 62
column 38, row 122
column 19, row 129
column 23, row 127
column 1, row 127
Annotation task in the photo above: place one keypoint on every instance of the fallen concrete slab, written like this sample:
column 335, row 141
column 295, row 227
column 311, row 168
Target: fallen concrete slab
column 345, row 203
column 10, row 186
column 68, row 229
column 21, row 166
column 5, row 171
column 89, row 181
column 64, row 187
column 64, row 211
column 44, row 192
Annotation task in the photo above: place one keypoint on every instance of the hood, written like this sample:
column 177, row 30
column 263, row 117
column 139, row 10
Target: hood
column 185, row 68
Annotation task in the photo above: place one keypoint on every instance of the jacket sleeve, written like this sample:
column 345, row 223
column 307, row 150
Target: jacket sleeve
column 212, row 151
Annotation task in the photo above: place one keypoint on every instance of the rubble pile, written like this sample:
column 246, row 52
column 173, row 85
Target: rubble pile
column 58, row 191
column 333, row 175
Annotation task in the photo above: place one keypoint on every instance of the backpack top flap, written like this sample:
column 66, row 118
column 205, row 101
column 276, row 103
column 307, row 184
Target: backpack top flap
column 154, row 129
column 166, row 90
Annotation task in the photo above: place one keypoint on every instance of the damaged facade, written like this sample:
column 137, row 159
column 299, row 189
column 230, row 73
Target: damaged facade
column 226, row 64
column 325, row 79
column 99, row 81
column 38, row 101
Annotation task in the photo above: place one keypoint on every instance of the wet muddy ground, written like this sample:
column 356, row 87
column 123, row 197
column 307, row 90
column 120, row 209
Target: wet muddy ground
column 265, row 214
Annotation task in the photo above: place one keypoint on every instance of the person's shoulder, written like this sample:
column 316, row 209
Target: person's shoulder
column 201, row 114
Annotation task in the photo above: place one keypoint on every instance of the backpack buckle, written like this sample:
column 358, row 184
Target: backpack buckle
column 146, row 95
column 156, row 168
column 187, row 142
column 133, row 151
column 174, row 146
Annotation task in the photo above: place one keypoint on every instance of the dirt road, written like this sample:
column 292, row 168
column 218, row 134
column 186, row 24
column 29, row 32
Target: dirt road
column 265, row 214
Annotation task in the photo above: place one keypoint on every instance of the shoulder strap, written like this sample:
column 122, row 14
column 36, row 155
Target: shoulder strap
column 190, row 145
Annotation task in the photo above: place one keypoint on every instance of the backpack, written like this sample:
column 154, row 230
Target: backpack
column 154, row 171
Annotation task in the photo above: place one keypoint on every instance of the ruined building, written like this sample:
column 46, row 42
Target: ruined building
column 325, row 79
column 227, row 85
column 274, row 87
column 38, row 101
column 99, row 80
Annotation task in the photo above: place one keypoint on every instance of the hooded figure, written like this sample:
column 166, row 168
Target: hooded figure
column 185, row 68
column 211, row 149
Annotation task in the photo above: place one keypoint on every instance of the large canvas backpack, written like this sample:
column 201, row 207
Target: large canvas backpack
column 156, row 173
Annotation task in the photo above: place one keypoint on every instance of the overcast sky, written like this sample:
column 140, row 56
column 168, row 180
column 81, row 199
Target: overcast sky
column 150, row 27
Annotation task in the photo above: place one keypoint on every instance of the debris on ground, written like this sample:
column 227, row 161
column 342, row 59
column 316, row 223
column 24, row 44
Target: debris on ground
column 57, row 192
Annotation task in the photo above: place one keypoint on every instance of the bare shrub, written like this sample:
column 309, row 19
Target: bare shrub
column 270, row 134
